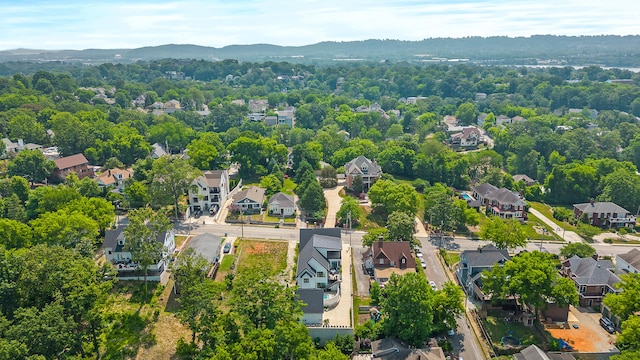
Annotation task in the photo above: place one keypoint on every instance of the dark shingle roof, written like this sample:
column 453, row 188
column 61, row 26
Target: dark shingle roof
column 485, row 256
column 310, row 240
column 588, row 271
column 484, row 188
column 313, row 298
column 632, row 258
column 601, row 207
column 532, row 353
column 504, row 196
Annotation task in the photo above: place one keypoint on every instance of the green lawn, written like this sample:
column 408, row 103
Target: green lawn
column 288, row 186
column 266, row 256
column 497, row 326
column 227, row 261
column 180, row 239
column 268, row 218
column 533, row 235
column 450, row 257
column 547, row 211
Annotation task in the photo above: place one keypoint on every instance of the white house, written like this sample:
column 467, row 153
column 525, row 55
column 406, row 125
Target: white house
column 116, row 253
column 281, row 204
column 628, row 262
column 209, row 191
column 250, row 200
column 319, row 262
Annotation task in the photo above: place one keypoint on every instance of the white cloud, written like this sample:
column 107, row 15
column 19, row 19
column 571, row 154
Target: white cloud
column 118, row 23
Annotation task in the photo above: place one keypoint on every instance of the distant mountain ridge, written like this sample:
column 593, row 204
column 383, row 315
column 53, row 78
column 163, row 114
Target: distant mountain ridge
column 604, row 50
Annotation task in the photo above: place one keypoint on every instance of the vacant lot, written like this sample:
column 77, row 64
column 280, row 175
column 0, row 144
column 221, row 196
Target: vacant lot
column 589, row 336
column 268, row 256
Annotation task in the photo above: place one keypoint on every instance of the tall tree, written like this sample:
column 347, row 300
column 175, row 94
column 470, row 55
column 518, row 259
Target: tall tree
column 408, row 308
column 31, row 164
column 627, row 302
column 141, row 238
column 582, row 250
column 172, row 177
column 349, row 209
column 504, row 233
column 401, row 226
column 531, row 276
column 387, row 197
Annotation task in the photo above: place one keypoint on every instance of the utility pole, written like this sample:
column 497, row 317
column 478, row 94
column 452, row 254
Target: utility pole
column 349, row 217
column 241, row 223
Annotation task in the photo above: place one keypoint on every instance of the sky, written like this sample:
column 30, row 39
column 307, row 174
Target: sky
column 73, row 24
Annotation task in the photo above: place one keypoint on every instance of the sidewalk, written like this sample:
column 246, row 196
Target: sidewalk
column 568, row 236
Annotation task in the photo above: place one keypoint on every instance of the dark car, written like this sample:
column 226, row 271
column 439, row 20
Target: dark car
column 197, row 214
column 607, row 325
column 227, row 248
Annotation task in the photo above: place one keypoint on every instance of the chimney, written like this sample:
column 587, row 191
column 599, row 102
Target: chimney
column 479, row 249
column 595, row 257
column 380, row 241
column 591, row 201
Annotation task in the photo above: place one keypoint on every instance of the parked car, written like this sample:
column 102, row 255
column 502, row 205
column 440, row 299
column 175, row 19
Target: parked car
column 227, row 248
column 197, row 214
column 433, row 285
column 423, row 263
column 607, row 325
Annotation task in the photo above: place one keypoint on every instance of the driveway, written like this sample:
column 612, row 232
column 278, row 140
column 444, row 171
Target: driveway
column 568, row 236
column 589, row 336
column 362, row 278
column 333, row 201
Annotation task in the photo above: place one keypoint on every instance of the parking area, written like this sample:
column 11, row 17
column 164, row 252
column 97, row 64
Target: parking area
column 589, row 335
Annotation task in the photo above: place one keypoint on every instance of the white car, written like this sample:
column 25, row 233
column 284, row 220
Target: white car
column 423, row 263
column 433, row 285
column 419, row 254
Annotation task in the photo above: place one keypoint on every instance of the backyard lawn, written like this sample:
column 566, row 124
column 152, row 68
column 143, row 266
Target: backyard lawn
column 450, row 257
column 497, row 326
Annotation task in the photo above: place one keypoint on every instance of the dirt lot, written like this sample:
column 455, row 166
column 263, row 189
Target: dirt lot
column 590, row 336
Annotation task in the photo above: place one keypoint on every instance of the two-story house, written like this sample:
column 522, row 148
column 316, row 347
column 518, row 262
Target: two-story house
column 117, row 254
column 501, row 202
column 605, row 214
column 71, row 164
column 369, row 171
column 593, row 278
column 474, row 262
column 318, row 271
column 249, row 201
column 209, row 191
column 469, row 137
column 113, row 178
column 387, row 258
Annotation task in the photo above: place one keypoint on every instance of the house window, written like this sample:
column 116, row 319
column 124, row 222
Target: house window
column 381, row 261
column 206, row 198
column 305, row 280
column 195, row 199
column 404, row 261
column 604, row 291
column 321, row 285
column 583, row 289
column 320, row 274
column 109, row 252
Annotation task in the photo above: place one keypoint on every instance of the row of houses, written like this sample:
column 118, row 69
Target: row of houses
column 594, row 278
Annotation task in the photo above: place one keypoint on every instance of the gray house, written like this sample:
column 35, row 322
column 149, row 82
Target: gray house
column 474, row 262
column 319, row 262
column 628, row 262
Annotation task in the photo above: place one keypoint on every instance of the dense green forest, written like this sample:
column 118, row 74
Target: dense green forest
column 580, row 140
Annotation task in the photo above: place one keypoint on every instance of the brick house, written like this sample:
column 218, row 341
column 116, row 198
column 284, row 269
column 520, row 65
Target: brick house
column 605, row 214
column 75, row 163
column 390, row 257
column 593, row 278
column 501, row 202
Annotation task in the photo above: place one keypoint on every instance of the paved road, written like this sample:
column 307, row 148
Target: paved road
column 333, row 201
column 464, row 340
